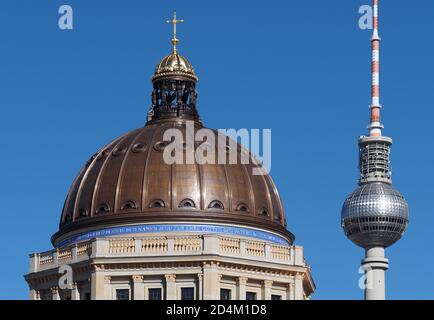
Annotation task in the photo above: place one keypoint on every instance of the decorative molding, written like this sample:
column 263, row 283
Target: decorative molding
column 171, row 228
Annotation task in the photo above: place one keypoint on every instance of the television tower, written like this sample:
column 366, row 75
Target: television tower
column 375, row 215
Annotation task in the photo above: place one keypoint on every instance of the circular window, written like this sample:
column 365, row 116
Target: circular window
column 263, row 212
column 83, row 212
column 216, row 205
column 242, row 207
column 187, row 203
column 103, row 154
column 159, row 146
column 103, row 208
column 117, row 151
column 157, row 204
column 138, row 147
column 129, row 205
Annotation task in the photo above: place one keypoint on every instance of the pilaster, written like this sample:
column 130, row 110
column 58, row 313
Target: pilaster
column 171, row 287
column 242, row 282
column 138, row 288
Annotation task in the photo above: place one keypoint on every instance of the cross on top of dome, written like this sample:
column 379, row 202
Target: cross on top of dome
column 174, row 21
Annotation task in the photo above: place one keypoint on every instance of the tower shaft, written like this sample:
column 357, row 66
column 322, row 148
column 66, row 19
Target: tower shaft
column 375, row 265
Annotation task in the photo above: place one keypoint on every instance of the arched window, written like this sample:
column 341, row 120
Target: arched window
column 216, row 205
column 83, row 212
column 103, row 208
column 157, row 204
column 242, row 207
column 187, row 203
column 263, row 211
column 138, row 147
column 128, row 205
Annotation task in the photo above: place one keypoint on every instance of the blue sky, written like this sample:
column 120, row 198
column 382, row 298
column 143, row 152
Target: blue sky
column 301, row 68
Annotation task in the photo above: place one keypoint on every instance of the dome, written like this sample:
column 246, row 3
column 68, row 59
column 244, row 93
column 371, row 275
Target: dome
column 174, row 65
column 128, row 182
column 375, row 214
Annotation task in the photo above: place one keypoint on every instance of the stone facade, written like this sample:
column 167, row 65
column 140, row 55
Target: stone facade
column 172, row 267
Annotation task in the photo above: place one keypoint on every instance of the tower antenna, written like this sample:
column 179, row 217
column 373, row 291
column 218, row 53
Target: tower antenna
column 375, row 125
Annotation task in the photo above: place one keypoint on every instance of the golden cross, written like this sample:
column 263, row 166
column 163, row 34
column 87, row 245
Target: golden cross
column 175, row 21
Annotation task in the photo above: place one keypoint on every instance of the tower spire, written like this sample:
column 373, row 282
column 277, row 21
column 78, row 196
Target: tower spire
column 375, row 125
column 174, row 21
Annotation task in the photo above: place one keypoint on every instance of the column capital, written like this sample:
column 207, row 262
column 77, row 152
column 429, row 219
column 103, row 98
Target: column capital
column 97, row 267
column 267, row 283
column 242, row 280
column 107, row 279
column 200, row 276
column 299, row 276
column 210, row 264
column 170, row 277
column 137, row 278
column 55, row 293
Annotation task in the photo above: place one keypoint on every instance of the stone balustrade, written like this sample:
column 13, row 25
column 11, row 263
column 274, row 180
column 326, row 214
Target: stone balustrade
column 117, row 245
column 148, row 246
column 154, row 245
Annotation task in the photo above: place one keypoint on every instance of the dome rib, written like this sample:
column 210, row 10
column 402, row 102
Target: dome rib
column 172, row 190
column 228, row 190
column 252, row 195
column 279, row 202
column 145, row 173
column 84, row 181
column 69, row 208
column 118, row 203
column 96, row 190
column 201, row 190
column 270, row 203
column 107, row 184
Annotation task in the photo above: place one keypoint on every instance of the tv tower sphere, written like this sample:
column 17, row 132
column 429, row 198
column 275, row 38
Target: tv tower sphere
column 375, row 214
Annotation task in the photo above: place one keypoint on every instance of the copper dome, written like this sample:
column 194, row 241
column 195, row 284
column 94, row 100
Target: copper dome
column 128, row 182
